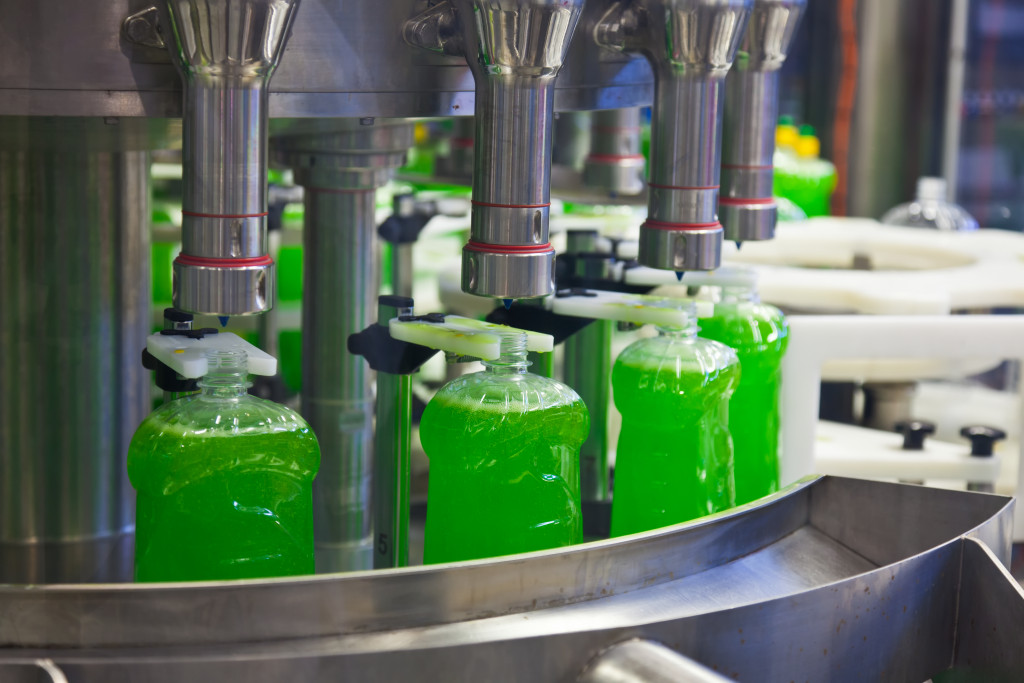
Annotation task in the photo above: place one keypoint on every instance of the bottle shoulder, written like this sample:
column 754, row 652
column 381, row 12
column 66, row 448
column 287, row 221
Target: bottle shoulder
column 747, row 327
column 530, row 391
column 214, row 415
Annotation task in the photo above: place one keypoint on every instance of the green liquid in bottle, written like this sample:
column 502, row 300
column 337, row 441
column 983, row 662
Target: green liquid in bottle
column 504, row 450
column 674, row 457
column 224, row 484
column 759, row 334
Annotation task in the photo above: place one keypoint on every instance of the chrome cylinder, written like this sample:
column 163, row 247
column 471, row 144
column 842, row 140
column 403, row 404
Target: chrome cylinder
column 690, row 45
column 746, row 207
column 74, row 268
column 340, row 164
column 514, row 49
column 226, row 52
column 615, row 164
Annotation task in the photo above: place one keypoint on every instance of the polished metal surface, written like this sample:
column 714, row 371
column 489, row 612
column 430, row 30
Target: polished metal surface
column 340, row 164
column 392, row 464
column 60, row 59
column 457, row 164
column 587, row 367
column 514, row 49
column 681, row 250
column 571, row 139
column 74, row 270
column 226, row 53
column 690, row 45
column 816, row 582
column 615, row 164
column 507, row 276
column 747, row 210
column 644, row 661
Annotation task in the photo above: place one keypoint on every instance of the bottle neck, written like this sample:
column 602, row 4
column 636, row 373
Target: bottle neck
column 687, row 331
column 739, row 294
column 512, row 360
column 227, row 375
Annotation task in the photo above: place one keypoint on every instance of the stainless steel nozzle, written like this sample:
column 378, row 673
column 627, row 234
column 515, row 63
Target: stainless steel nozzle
column 690, row 45
column 226, row 52
column 746, row 207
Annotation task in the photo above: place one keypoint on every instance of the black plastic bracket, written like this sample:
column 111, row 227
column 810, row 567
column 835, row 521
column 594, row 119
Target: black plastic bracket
column 386, row 354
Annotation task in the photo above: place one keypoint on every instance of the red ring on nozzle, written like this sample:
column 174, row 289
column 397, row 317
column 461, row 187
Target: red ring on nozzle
column 509, row 248
column 659, row 225
column 734, row 201
column 202, row 261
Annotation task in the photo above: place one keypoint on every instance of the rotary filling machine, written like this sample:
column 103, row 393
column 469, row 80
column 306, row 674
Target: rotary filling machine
column 326, row 88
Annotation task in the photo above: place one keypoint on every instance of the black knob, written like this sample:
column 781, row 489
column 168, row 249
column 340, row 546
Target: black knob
column 914, row 432
column 982, row 438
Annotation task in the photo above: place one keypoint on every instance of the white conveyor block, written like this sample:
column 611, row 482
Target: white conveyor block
column 815, row 339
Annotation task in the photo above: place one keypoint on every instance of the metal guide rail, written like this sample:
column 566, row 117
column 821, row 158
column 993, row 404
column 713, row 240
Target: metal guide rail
column 831, row 579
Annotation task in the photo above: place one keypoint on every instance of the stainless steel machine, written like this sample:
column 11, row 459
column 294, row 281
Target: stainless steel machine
column 820, row 581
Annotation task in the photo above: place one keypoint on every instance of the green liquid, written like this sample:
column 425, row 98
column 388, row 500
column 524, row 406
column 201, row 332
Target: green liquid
column 503, row 479
column 222, row 505
column 674, row 456
column 759, row 334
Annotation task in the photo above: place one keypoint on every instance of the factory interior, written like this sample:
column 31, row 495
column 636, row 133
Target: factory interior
column 597, row 341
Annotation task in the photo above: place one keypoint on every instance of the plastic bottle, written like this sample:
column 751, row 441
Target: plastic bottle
column 759, row 334
column 931, row 210
column 810, row 181
column 224, row 483
column 504, row 449
column 674, row 457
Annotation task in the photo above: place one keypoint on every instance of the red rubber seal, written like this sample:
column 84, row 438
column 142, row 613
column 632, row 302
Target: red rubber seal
column 674, row 187
column 512, row 206
column 733, row 201
column 202, row 261
column 509, row 248
column 222, row 215
column 462, row 143
column 659, row 225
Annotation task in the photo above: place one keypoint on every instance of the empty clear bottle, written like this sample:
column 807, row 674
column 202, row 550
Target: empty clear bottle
column 759, row 334
column 931, row 210
column 674, row 458
column 224, row 483
column 504, row 448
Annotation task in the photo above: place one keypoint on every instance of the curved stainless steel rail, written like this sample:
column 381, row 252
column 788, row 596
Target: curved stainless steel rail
column 831, row 579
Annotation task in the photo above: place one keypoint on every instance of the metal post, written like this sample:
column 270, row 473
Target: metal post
column 74, row 269
column 392, row 464
column 340, row 170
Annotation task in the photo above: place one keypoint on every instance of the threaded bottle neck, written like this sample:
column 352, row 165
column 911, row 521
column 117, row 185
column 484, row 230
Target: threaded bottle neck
column 512, row 360
column 688, row 329
column 735, row 294
column 227, row 374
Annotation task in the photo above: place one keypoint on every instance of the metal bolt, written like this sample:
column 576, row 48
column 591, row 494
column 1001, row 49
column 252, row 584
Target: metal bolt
column 143, row 28
column 366, row 121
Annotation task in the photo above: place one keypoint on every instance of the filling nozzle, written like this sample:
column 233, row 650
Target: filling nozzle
column 746, row 207
column 226, row 52
column 515, row 49
column 615, row 164
column 690, row 45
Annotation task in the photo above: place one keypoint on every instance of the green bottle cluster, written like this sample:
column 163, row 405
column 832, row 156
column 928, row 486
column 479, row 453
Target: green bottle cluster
column 801, row 175
column 504, row 450
column 759, row 334
column 224, row 484
column 674, row 457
